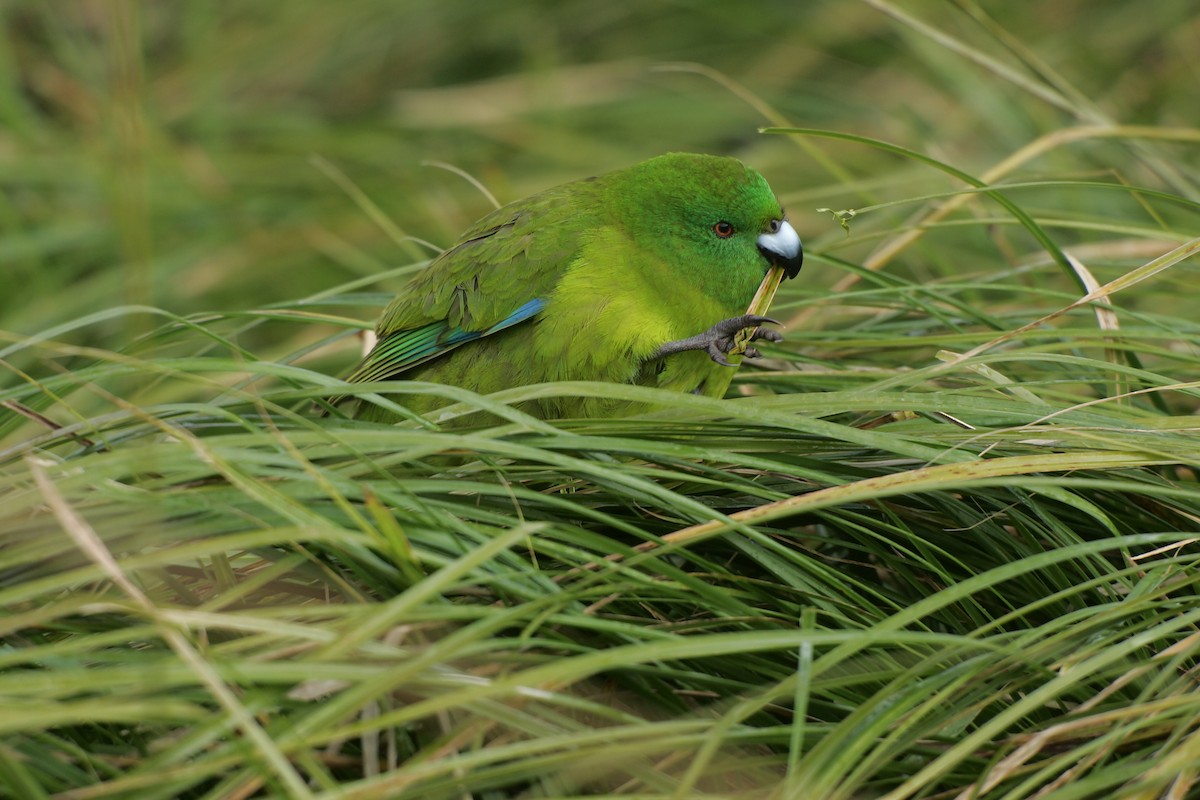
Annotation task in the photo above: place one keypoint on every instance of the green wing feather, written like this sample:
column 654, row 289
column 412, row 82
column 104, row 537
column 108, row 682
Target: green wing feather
column 498, row 275
column 408, row 348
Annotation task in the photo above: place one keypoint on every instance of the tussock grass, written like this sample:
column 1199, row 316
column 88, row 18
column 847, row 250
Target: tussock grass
column 942, row 542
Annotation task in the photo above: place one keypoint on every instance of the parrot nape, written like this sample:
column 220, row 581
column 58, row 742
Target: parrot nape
column 641, row 276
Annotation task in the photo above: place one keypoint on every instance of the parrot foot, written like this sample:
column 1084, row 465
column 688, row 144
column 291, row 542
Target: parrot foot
column 719, row 340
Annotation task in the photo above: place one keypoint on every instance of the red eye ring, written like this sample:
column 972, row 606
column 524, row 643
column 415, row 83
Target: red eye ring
column 723, row 229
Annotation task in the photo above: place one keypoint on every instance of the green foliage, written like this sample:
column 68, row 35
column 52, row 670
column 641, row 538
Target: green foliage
column 942, row 542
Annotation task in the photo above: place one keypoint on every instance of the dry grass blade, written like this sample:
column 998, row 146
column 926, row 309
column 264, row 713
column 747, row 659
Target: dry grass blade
column 759, row 306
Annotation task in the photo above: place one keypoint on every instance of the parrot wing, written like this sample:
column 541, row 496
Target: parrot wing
column 499, row 274
column 404, row 349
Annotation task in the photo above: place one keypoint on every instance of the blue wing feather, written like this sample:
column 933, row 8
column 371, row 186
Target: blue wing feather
column 402, row 350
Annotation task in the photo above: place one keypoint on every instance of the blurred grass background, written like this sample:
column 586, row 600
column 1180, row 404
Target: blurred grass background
column 162, row 153
column 959, row 515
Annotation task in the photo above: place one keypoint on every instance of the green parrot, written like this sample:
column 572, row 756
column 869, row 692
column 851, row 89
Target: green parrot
column 638, row 276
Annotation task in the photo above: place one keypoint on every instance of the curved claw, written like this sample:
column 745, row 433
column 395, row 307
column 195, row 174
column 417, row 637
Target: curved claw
column 719, row 340
column 767, row 334
column 714, row 352
column 735, row 324
column 723, row 334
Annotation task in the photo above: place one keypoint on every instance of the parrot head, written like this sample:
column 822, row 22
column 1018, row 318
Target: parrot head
column 710, row 216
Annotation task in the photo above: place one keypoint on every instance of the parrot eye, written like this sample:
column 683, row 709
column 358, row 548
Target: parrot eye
column 723, row 229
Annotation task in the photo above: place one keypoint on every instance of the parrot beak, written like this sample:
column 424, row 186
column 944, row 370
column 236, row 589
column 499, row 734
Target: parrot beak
column 780, row 245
